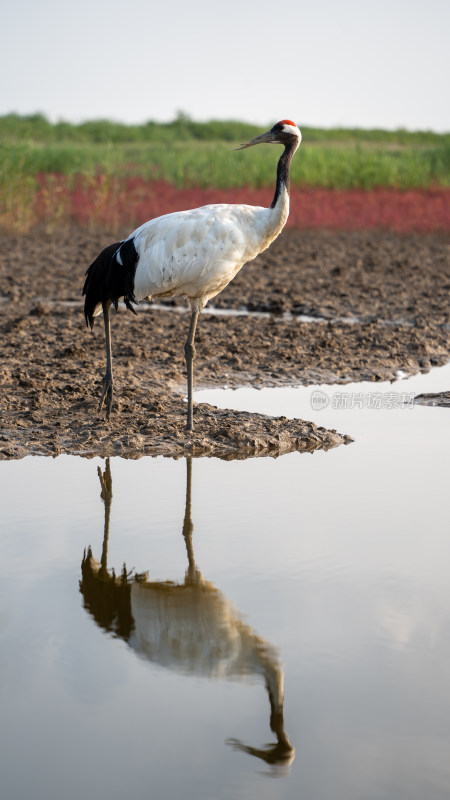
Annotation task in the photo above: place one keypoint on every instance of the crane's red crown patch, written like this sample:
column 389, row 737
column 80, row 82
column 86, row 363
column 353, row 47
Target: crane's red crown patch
column 287, row 122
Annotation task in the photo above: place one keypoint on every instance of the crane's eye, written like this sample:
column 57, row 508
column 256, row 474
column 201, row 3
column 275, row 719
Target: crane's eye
column 277, row 128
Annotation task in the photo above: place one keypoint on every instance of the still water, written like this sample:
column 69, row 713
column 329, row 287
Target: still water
column 283, row 630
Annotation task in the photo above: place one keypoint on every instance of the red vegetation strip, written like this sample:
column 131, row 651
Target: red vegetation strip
column 112, row 202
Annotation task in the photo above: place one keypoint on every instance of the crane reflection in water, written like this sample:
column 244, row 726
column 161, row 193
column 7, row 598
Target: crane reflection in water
column 189, row 627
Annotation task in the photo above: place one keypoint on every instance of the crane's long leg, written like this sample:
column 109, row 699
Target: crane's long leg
column 189, row 351
column 108, row 380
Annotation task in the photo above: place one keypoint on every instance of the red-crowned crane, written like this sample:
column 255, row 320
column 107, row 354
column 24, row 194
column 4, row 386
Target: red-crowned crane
column 194, row 253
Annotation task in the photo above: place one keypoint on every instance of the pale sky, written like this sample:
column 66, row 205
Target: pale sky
column 318, row 62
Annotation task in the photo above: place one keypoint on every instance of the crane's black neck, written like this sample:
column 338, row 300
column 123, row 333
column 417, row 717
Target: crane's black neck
column 283, row 181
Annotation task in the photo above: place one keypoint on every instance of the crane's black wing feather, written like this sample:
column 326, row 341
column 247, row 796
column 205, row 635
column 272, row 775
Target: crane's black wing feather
column 110, row 277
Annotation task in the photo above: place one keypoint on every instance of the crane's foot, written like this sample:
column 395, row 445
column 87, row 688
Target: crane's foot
column 107, row 392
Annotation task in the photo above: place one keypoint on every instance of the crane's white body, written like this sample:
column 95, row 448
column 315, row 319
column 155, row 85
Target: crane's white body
column 192, row 627
column 196, row 253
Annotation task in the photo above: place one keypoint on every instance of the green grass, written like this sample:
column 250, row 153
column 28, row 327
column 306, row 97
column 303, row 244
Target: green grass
column 194, row 163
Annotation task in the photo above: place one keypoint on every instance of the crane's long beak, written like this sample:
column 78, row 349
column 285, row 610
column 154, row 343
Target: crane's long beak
column 265, row 137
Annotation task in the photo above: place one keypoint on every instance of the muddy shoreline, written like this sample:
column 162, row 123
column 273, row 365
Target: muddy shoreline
column 378, row 302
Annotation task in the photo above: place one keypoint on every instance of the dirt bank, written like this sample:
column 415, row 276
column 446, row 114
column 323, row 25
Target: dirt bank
column 382, row 302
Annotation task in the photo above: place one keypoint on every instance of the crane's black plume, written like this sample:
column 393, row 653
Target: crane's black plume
column 110, row 277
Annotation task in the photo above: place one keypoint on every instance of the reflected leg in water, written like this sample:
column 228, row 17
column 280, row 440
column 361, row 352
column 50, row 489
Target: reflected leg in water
column 189, row 626
column 106, row 597
column 106, row 495
column 193, row 575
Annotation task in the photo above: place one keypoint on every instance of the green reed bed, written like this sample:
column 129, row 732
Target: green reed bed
column 216, row 164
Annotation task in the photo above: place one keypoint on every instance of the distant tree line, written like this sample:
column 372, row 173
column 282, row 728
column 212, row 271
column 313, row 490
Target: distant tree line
column 36, row 127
